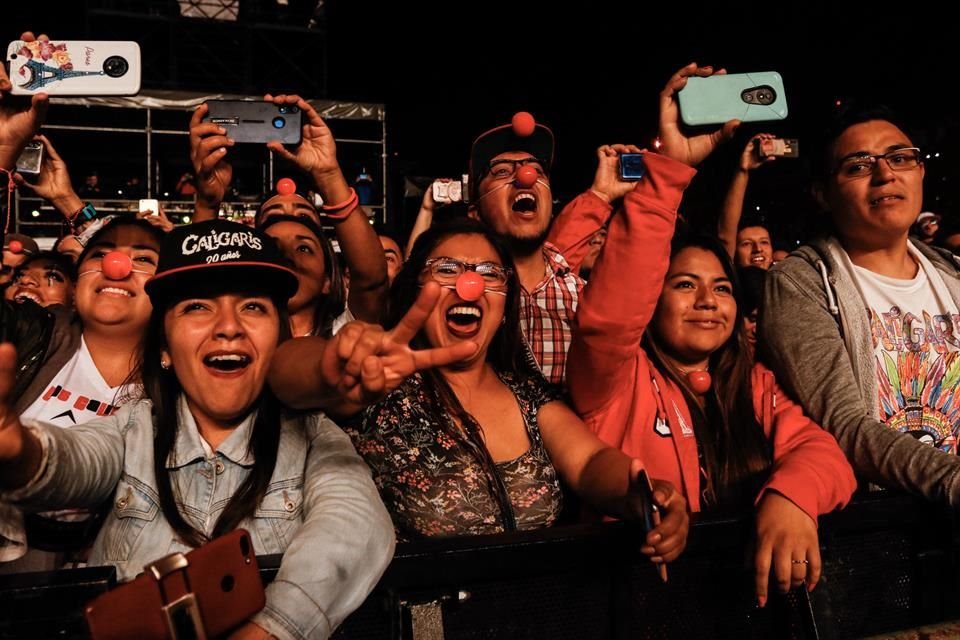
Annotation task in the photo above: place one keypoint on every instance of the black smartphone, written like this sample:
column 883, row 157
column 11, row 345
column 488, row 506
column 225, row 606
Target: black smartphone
column 631, row 166
column 651, row 513
column 253, row 121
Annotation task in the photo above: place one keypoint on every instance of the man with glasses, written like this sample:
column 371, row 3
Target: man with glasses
column 510, row 192
column 862, row 325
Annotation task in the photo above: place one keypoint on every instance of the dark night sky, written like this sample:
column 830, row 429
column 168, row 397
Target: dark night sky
column 592, row 71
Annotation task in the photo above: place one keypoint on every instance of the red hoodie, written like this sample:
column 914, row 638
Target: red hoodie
column 614, row 385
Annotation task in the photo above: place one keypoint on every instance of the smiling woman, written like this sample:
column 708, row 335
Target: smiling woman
column 209, row 449
column 77, row 363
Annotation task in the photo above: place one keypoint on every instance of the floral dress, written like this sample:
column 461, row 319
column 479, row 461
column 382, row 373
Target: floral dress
column 433, row 485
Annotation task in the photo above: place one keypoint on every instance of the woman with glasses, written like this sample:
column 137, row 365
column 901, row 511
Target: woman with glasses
column 479, row 446
column 862, row 323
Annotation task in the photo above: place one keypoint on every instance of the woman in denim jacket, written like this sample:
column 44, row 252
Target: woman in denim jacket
column 209, row 448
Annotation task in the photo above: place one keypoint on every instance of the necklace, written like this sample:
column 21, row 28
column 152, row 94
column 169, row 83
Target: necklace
column 699, row 381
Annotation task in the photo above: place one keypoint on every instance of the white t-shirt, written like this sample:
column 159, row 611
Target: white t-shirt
column 77, row 394
column 916, row 341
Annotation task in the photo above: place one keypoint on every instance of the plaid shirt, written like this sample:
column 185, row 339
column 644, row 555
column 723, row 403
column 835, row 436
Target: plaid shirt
column 546, row 314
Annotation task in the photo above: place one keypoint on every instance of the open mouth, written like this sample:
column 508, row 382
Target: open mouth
column 26, row 295
column 760, row 259
column 463, row 320
column 227, row 362
column 524, row 203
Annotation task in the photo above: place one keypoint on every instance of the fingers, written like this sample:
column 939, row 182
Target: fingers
column 373, row 380
column 278, row 148
column 442, row 356
column 198, row 115
column 413, row 321
column 761, row 562
column 38, row 105
column 48, row 149
column 667, row 540
column 815, row 568
column 783, row 568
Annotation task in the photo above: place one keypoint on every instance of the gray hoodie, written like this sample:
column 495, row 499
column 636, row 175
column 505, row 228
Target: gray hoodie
column 815, row 335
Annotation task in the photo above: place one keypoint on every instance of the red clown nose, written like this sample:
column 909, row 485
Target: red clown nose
column 116, row 265
column 470, row 286
column 523, row 124
column 286, row 186
column 15, row 246
column 526, row 177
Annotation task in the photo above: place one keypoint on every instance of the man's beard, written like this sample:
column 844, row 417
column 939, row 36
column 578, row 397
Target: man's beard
column 525, row 246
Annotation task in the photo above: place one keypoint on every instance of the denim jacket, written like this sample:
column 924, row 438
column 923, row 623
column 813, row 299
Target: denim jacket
column 321, row 508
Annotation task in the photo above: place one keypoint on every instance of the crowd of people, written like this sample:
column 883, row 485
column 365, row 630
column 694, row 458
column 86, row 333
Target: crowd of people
column 161, row 385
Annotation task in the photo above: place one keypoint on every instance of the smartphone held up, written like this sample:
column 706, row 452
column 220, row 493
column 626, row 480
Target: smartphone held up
column 716, row 99
column 74, row 67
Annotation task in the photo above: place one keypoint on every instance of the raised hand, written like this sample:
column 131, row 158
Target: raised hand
column 365, row 362
column 53, row 183
column 787, row 545
column 667, row 540
column 750, row 158
column 317, row 153
column 674, row 143
column 208, row 153
column 607, row 183
column 20, row 116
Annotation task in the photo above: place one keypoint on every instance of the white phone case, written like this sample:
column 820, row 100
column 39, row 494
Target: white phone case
column 76, row 68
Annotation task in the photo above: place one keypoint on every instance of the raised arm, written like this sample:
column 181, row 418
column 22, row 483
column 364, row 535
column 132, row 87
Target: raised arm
column 317, row 155
column 359, row 365
column 589, row 212
column 732, row 208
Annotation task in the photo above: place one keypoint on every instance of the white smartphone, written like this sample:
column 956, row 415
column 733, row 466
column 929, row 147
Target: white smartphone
column 150, row 204
column 74, row 67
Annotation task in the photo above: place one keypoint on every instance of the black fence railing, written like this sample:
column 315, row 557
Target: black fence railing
column 890, row 563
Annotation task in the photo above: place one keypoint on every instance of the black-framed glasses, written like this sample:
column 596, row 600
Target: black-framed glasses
column 860, row 166
column 446, row 270
column 503, row 168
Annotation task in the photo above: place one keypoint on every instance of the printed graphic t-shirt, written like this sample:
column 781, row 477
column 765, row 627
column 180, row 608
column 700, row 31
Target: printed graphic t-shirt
column 76, row 395
column 916, row 340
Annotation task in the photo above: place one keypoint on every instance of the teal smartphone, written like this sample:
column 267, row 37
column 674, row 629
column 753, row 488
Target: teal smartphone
column 750, row 97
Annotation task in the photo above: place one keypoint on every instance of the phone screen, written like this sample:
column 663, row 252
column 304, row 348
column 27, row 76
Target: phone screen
column 31, row 158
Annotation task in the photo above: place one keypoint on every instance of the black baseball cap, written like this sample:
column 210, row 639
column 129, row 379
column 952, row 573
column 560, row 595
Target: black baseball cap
column 488, row 145
column 219, row 256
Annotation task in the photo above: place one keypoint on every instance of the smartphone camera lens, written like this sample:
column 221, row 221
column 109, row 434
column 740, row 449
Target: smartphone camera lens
column 115, row 66
column 279, row 123
column 282, row 109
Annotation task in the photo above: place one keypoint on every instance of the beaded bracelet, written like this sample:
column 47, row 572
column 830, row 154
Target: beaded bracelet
column 342, row 210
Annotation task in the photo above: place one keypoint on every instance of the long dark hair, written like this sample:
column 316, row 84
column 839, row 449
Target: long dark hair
column 736, row 453
column 505, row 353
column 163, row 389
column 331, row 305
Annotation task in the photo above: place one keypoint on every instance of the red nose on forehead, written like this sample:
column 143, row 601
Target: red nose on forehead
column 116, row 265
column 15, row 246
column 470, row 286
column 526, row 176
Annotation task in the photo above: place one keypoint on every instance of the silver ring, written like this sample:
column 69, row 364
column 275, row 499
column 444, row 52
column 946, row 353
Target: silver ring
column 800, row 561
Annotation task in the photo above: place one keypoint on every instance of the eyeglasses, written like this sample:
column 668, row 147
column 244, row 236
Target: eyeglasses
column 863, row 165
column 502, row 168
column 446, row 271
